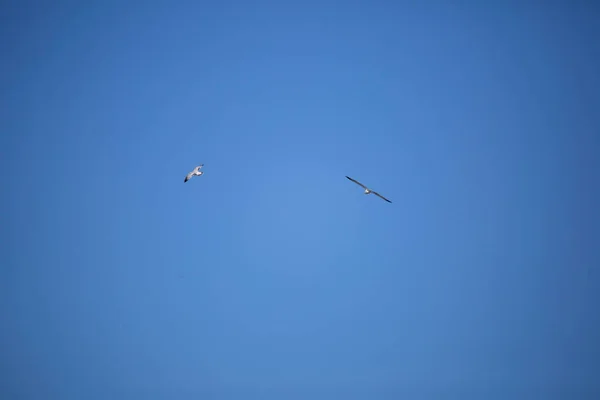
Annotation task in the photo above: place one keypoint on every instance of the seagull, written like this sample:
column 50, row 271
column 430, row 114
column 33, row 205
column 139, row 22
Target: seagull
column 195, row 172
column 367, row 190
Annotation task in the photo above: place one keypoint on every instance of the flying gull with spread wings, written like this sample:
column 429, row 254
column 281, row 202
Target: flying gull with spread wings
column 367, row 190
column 195, row 172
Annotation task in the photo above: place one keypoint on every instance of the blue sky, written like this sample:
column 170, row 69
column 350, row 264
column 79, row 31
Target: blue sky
column 272, row 276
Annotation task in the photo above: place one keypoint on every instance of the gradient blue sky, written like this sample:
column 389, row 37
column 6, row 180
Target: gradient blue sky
column 272, row 276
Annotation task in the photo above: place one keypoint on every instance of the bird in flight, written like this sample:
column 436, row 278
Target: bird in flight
column 195, row 172
column 367, row 190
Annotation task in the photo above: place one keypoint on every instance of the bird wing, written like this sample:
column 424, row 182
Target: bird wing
column 188, row 176
column 197, row 169
column 358, row 183
column 381, row 196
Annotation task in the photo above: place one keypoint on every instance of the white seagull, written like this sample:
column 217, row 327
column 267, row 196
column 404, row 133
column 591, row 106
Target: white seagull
column 195, row 172
column 367, row 190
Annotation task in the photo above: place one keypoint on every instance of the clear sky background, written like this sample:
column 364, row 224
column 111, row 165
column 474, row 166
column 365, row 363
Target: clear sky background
column 272, row 276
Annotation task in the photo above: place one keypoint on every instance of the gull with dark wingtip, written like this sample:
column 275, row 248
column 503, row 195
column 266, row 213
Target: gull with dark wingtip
column 195, row 172
column 367, row 190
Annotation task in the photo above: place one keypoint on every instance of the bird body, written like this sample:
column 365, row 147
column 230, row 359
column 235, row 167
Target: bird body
column 367, row 190
column 195, row 172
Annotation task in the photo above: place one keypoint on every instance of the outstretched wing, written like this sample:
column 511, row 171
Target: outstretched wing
column 381, row 196
column 197, row 169
column 188, row 176
column 358, row 183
